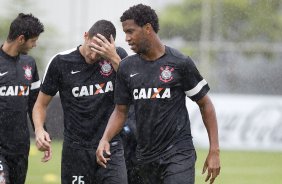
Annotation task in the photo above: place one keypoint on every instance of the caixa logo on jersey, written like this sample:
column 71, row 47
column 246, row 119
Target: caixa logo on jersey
column 14, row 90
column 166, row 74
column 27, row 72
column 106, row 68
column 151, row 93
column 92, row 89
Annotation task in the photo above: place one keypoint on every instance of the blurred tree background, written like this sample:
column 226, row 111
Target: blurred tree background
column 237, row 44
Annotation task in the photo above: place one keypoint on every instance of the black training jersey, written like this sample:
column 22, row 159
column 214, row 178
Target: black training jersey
column 19, row 87
column 86, row 92
column 158, row 90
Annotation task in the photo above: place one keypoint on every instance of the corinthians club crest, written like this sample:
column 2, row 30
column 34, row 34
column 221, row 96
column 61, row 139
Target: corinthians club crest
column 166, row 74
column 27, row 72
column 106, row 68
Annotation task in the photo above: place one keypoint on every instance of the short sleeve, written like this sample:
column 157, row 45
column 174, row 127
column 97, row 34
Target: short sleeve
column 122, row 91
column 121, row 52
column 51, row 80
column 35, row 79
column 194, row 85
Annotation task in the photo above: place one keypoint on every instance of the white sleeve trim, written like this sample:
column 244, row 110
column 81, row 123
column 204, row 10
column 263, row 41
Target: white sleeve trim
column 61, row 53
column 35, row 85
column 196, row 89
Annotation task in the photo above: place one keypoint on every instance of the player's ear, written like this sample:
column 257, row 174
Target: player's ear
column 21, row 39
column 148, row 27
column 85, row 35
column 112, row 39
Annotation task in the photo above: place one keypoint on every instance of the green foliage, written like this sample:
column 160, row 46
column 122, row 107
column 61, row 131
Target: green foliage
column 231, row 20
column 3, row 29
column 181, row 20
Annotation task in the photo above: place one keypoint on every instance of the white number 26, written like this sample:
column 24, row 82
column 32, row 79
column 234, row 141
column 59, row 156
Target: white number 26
column 1, row 166
column 77, row 180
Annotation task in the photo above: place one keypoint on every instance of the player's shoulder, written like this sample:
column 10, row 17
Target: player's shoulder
column 175, row 53
column 27, row 59
column 129, row 59
column 178, row 57
column 128, row 63
column 66, row 55
column 121, row 52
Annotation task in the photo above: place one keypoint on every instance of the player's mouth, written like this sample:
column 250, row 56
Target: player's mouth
column 132, row 46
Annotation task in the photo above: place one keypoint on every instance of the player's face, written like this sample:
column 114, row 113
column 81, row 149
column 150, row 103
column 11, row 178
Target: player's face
column 27, row 45
column 135, row 36
column 90, row 55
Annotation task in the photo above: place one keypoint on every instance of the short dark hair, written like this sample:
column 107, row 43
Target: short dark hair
column 141, row 14
column 103, row 27
column 27, row 25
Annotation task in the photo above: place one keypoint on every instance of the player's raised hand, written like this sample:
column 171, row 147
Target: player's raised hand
column 103, row 47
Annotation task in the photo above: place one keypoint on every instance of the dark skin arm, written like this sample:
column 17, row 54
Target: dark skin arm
column 114, row 126
column 212, row 162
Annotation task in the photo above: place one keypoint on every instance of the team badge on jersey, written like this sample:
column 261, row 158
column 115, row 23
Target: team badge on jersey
column 27, row 72
column 106, row 68
column 166, row 74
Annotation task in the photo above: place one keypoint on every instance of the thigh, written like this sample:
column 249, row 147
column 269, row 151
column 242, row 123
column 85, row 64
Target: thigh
column 180, row 168
column 13, row 168
column 77, row 165
column 149, row 172
column 115, row 173
column 133, row 176
column 4, row 170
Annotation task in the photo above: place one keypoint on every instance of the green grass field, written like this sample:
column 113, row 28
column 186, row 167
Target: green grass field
column 238, row 167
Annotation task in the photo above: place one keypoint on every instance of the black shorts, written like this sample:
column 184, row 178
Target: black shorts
column 80, row 166
column 175, row 168
column 13, row 168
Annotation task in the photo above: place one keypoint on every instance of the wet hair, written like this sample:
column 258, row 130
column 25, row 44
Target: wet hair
column 27, row 25
column 103, row 27
column 141, row 14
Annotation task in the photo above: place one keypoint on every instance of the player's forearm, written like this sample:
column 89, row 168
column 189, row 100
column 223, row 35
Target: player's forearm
column 210, row 121
column 115, row 60
column 40, row 109
column 115, row 124
column 38, row 116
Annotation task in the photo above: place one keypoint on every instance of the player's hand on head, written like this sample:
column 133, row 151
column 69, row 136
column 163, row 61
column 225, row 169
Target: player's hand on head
column 103, row 47
column 212, row 166
column 103, row 153
column 42, row 140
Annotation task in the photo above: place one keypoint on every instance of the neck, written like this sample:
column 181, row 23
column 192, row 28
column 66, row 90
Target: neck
column 10, row 48
column 156, row 50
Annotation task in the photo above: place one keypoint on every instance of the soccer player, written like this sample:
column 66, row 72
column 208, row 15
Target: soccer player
column 19, row 87
column 157, row 79
column 85, row 78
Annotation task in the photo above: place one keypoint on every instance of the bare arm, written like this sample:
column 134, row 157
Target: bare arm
column 42, row 138
column 114, row 126
column 212, row 163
